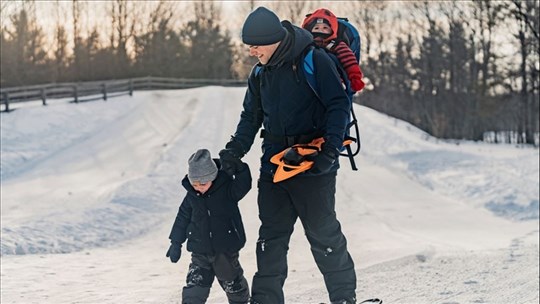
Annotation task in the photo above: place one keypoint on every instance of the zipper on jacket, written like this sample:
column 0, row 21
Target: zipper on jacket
column 295, row 71
column 261, row 82
column 235, row 230
column 209, row 215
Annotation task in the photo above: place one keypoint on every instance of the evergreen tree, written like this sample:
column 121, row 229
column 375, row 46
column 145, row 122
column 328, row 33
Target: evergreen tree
column 160, row 51
column 23, row 59
column 210, row 52
column 430, row 69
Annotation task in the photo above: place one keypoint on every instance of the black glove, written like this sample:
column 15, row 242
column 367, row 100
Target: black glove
column 174, row 252
column 324, row 160
column 235, row 148
column 229, row 163
column 230, row 157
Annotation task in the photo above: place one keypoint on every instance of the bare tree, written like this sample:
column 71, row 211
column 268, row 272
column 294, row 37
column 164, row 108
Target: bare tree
column 123, row 29
column 524, row 12
column 372, row 19
column 528, row 12
column 291, row 10
column 487, row 14
column 60, row 47
column 295, row 10
column 4, row 5
column 364, row 16
column 77, row 40
column 122, row 26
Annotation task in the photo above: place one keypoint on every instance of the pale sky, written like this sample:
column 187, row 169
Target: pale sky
column 95, row 13
column 47, row 12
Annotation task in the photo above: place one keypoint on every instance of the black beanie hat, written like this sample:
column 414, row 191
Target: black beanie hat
column 262, row 27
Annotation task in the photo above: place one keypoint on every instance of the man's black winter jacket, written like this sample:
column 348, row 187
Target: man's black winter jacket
column 289, row 105
column 211, row 222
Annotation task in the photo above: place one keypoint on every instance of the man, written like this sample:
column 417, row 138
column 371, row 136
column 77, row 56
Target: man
column 280, row 99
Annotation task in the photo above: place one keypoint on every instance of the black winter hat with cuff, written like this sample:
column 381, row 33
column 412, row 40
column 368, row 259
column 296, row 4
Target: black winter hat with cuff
column 262, row 27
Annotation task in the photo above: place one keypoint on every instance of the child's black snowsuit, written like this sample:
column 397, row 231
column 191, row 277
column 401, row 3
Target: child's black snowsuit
column 213, row 227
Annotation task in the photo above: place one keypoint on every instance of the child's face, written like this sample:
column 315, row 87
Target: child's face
column 322, row 28
column 202, row 188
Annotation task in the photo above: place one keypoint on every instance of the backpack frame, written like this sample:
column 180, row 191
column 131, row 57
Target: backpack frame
column 352, row 123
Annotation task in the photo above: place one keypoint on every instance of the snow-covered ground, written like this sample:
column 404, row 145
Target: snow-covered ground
column 90, row 191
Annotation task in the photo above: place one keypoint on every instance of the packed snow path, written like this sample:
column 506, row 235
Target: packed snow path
column 90, row 191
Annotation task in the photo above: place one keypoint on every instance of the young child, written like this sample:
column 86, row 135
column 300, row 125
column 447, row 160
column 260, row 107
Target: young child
column 323, row 25
column 210, row 220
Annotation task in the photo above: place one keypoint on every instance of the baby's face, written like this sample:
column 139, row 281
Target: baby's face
column 322, row 28
column 202, row 188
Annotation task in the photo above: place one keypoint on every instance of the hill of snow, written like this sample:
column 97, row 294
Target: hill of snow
column 90, row 191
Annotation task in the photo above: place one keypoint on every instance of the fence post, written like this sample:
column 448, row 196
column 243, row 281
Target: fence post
column 104, row 85
column 76, row 94
column 6, row 101
column 44, row 96
column 130, row 87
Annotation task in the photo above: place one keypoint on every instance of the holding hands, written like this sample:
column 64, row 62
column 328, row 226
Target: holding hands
column 230, row 157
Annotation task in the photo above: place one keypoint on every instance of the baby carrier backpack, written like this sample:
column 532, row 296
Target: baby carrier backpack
column 349, row 34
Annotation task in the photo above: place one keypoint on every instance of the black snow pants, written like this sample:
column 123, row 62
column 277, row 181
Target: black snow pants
column 227, row 269
column 312, row 199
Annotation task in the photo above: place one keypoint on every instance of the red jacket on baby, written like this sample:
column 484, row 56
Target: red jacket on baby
column 348, row 61
column 339, row 48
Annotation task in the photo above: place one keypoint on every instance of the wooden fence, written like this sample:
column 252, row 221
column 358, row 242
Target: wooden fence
column 92, row 90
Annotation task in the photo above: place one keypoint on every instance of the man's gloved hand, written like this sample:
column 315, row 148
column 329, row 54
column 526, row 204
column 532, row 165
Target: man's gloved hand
column 235, row 148
column 230, row 157
column 229, row 163
column 174, row 252
column 324, row 159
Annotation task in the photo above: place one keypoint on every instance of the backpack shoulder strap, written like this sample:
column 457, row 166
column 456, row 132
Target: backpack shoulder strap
column 309, row 71
column 257, row 70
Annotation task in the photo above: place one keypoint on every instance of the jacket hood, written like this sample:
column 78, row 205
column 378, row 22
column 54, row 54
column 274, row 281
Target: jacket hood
column 301, row 39
column 292, row 45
